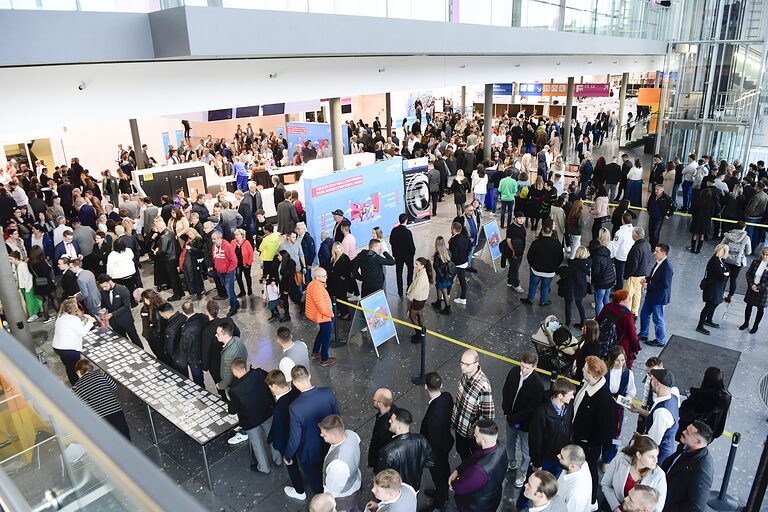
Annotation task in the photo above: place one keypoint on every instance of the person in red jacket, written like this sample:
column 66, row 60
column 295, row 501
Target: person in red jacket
column 619, row 315
column 225, row 263
column 244, row 253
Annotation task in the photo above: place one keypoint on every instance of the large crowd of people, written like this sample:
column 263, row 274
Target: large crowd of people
column 78, row 245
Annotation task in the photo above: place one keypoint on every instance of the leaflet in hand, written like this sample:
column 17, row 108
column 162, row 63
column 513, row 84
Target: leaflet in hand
column 624, row 401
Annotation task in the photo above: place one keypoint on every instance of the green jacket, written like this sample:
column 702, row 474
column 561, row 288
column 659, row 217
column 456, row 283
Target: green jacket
column 234, row 349
column 508, row 188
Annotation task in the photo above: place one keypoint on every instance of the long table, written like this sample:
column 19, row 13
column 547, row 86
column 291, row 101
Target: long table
column 198, row 413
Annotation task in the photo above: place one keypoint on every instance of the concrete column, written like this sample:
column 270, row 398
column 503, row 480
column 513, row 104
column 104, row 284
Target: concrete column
column 664, row 96
column 337, row 142
column 488, row 124
column 463, row 99
column 622, row 100
column 388, row 114
column 9, row 295
column 561, row 16
column 136, row 143
column 566, row 135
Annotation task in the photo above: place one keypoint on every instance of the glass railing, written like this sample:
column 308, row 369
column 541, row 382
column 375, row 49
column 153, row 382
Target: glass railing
column 56, row 454
column 640, row 19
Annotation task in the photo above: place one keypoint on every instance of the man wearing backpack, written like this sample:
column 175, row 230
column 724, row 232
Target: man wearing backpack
column 617, row 327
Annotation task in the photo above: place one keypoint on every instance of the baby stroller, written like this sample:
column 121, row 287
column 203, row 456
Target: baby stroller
column 555, row 346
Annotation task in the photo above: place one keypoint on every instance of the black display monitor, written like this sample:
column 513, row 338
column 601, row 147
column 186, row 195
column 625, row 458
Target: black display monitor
column 220, row 115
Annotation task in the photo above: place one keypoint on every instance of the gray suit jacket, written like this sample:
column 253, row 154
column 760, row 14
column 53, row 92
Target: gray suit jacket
column 90, row 295
column 150, row 213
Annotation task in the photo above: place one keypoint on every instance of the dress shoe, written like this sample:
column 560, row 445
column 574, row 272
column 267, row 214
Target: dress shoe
column 525, row 300
column 285, row 318
column 711, row 324
column 241, row 295
column 654, row 343
column 545, row 303
column 472, row 270
column 744, row 326
column 174, row 298
column 232, row 312
column 642, row 338
column 430, row 492
column 753, row 330
column 701, row 329
column 446, row 310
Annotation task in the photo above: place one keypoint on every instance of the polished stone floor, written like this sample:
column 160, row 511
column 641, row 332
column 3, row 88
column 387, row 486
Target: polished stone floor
column 493, row 319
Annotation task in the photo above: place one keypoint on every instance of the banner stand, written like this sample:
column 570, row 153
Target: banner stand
column 493, row 239
column 380, row 328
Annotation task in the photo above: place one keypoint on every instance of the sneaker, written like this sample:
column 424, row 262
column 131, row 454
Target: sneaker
column 518, row 289
column 51, row 319
column 525, row 300
column 291, row 493
column 519, row 481
column 459, row 300
column 32, row 318
column 328, row 362
column 314, row 356
column 364, row 329
column 238, row 428
column 237, row 439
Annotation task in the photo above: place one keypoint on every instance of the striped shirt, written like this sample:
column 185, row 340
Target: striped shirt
column 474, row 401
column 98, row 390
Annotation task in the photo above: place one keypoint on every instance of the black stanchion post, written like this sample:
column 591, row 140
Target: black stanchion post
column 759, row 485
column 421, row 377
column 720, row 501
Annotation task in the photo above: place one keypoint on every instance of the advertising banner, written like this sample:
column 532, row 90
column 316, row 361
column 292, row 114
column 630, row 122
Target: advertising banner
column 179, row 138
column 554, row 89
column 416, row 186
column 502, row 93
column 369, row 196
column 381, row 329
column 166, row 145
column 298, row 133
column 494, row 238
column 592, row 90
column 529, row 89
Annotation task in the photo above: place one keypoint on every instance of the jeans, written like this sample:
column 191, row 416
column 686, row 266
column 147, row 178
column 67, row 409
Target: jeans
column 513, row 276
column 753, row 232
column 675, row 188
column 533, row 283
column 323, row 340
column 481, row 198
column 197, row 375
column 507, row 210
column 69, row 358
column 228, row 279
column 493, row 199
column 517, row 437
column 657, row 312
column 569, row 301
column 687, row 193
column 611, row 188
column 654, row 230
column 461, row 273
column 734, row 270
column 602, row 298
column 471, row 253
column 619, row 266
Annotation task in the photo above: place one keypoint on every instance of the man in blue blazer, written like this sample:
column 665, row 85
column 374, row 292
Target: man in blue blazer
column 67, row 247
column 304, row 441
column 279, row 432
column 658, row 287
column 436, row 427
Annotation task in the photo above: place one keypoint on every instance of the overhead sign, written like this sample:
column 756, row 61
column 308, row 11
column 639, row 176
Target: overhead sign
column 554, row 89
column 502, row 93
column 529, row 89
column 593, row 90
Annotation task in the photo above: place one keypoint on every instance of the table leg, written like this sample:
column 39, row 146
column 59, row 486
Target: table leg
column 207, row 470
column 152, row 424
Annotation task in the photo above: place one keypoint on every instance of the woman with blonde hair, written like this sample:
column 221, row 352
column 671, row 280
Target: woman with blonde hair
column 418, row 293
column 713, row 287
column 445, row 272
column 459, row 188
column 71, row 325
column 339, row 278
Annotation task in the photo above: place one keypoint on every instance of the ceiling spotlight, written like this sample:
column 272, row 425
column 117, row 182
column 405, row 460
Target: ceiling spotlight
column 462, row 66
column 615, row 62
column 273, row 75
column 635, row 62
column 557, row 63
column 589, row 62
column 517, row 65
column 381, row 70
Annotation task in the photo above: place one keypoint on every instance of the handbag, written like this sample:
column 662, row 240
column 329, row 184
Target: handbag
column 299, row 278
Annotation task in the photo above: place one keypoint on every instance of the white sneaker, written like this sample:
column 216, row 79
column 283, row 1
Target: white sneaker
column 364, row 329
column 291, row 493
column 51, row 319
column 237, row 439
column 458, row 300
column 520, row 480
column 519, row 289
column 32, row 318
column 238, row 428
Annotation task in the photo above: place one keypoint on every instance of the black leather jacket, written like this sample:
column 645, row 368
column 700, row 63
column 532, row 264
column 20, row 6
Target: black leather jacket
column 408, row 454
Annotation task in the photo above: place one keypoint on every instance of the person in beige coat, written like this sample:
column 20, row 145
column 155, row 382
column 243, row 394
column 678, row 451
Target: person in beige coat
column 418, row 293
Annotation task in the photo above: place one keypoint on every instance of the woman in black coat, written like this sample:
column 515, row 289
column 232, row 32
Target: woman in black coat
column 339, row 275
column 713, row 287
column 594, row 416
column 574, row 278
column 709, row 403
column 757, row 290
column 459, row 188
column 287, row 283
column 702, row 211
column 618, row 213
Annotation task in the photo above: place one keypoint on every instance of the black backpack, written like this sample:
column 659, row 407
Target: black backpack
column 608, row 337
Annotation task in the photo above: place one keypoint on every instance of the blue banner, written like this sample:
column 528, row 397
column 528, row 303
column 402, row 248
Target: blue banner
column 166, row 145
column 494, row 238
column 529, row 89
column 369, row 196
column 502, row 89
column 298, row 133
column 179, row 139
column 381, row 329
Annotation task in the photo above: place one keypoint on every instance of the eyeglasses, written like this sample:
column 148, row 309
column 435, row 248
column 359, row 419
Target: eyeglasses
column 468, row 364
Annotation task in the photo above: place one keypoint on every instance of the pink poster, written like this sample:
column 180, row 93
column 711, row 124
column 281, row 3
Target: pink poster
column 593, row 90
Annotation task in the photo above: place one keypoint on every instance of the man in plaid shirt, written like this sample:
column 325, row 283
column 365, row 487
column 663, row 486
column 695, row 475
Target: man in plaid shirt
column 474, row 401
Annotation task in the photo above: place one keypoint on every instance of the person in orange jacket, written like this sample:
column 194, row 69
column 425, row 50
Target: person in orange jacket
column 318, row 309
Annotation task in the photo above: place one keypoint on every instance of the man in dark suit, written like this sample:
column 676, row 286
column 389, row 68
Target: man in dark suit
column 660, row 207
column 382, row 402
column 279, row 432
column 86, row 213
column 305, row 446
column 658, row 287
column 403, row 250
column 67, row 247
column 523, row 393
column 436, row 427
column 116, row 299
column 690, row 471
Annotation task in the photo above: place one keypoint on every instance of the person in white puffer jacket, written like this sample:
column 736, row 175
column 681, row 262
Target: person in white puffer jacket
column 622, row 243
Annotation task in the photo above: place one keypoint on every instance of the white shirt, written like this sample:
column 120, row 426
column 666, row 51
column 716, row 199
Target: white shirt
column 622, row 242
column 760, row 270
column 662, row 420
column 58, row 234
column 69, row 331
column 616, row 382
column 337, row 473
column 689, row 171
column 120, row 265
column 576, row 489
column 636, row 173
column 20, row 196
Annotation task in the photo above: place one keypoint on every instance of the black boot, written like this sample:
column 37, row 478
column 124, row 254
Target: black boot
column 698, row 246
column 693, row 245
column 446, row 310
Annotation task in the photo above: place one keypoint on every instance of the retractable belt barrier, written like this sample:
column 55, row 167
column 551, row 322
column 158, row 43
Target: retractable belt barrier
column 681, row 214
column 473, row 347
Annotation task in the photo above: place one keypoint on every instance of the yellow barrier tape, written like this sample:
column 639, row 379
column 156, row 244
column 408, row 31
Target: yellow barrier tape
column 681, row 214
column 473, row 347
column 451, row 340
